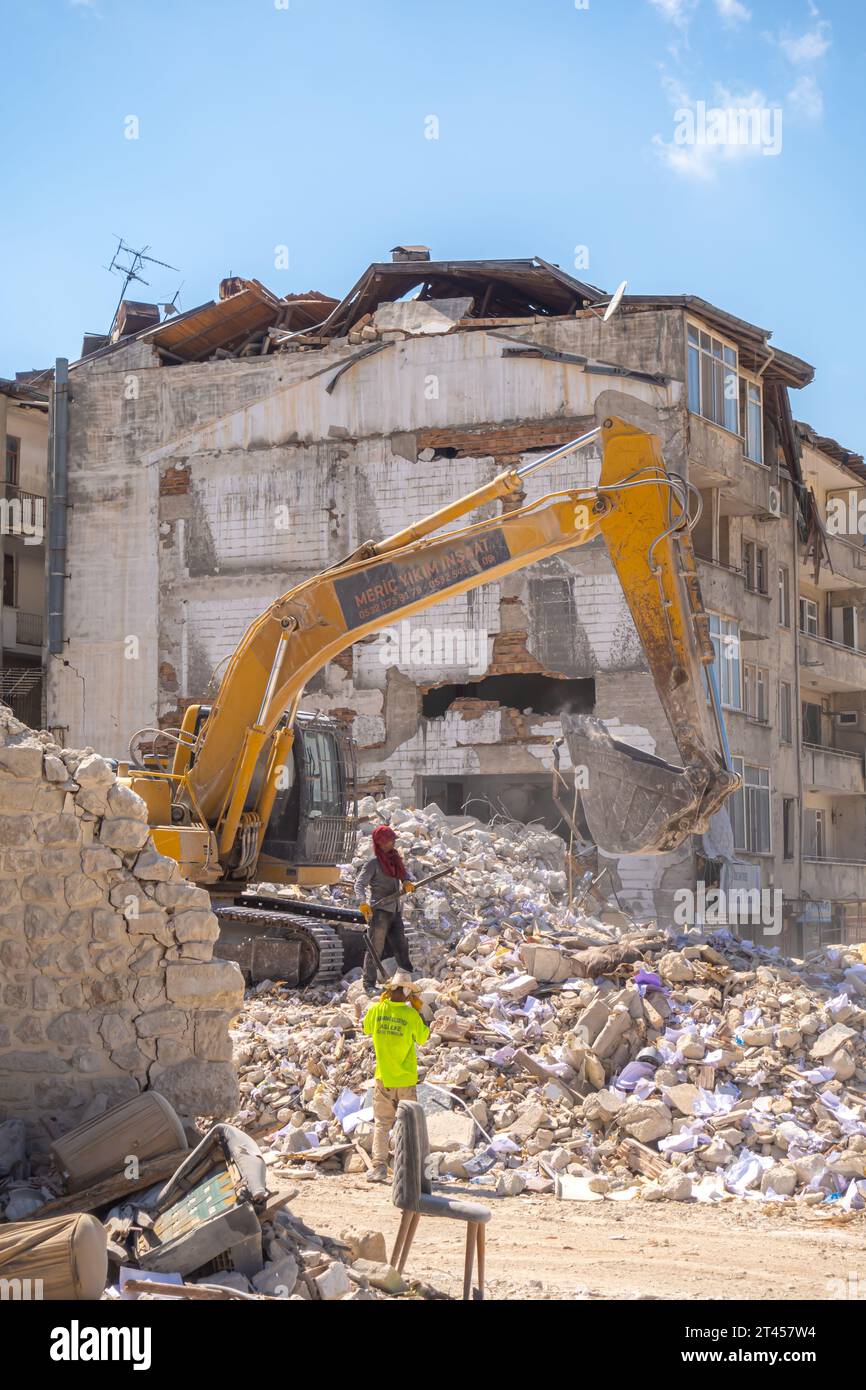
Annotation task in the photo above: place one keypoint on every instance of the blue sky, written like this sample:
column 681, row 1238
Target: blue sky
column 304, row 124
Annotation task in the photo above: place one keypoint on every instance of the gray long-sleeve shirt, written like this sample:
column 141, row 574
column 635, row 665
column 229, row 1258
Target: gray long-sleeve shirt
column 384, row 890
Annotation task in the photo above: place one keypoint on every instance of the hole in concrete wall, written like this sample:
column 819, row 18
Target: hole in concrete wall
column 540, row 694
column 521, row 797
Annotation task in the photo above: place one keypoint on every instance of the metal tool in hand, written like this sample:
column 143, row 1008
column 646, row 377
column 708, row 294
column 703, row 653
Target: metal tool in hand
column 418, row 883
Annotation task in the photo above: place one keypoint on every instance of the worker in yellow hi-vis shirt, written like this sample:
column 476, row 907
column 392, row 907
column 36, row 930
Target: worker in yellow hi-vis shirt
column 396, row 1027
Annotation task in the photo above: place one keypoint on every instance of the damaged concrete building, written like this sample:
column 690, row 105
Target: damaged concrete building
column 24, row 436
column 219, row 457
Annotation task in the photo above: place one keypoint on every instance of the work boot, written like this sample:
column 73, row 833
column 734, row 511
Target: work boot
column 378, row 1174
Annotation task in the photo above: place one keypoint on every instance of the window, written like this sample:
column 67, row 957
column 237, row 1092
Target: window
column 726, row 642
column 816, row 833
column 809, row 616
column 811, row 715
column 849, row 717
column 785, row 732
column 714, row 385
column 754, row 423
column 13, row 459
column 9, row 584
column 756, row 682
column 784, row 596
column 755, row 566
column 750, row 809
column 788, row 809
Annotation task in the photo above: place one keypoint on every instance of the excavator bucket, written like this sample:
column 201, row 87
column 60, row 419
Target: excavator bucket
column 634, row 803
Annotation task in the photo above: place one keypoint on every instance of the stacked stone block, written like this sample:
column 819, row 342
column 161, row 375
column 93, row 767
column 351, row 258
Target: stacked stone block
column 108, row 984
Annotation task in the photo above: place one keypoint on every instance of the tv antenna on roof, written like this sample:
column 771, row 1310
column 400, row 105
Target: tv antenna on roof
column 131, row 268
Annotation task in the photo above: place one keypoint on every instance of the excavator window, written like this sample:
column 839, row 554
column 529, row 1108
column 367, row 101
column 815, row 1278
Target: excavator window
column 324, row 796
column 312, row 821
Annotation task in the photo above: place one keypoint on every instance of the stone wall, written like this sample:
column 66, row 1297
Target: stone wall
column 107, row 982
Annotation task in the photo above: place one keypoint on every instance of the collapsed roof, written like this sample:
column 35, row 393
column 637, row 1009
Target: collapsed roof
column 498, row 289
column 832, row 448
column 249, row 320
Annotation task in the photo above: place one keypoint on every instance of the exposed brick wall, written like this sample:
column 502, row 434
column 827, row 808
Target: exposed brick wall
column 505, row 443
column 174, row 482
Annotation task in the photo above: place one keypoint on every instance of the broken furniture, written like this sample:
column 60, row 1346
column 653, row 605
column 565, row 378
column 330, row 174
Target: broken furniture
column 208, row 1211
column 64, row 1257
column 142, row 1128
column 413, row 1193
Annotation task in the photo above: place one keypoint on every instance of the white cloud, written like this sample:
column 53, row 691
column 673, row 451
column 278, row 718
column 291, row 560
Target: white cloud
column 675, row 11
column 806, row 98
column 808, row 47
column 733, row 12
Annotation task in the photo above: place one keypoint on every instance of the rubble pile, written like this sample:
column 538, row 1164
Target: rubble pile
column 584, row 1058
column 507, row 874
column 109, row 985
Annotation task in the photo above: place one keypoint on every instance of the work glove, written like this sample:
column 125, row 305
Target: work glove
column 366, row 912
column 408, row 887
column 415, row 1002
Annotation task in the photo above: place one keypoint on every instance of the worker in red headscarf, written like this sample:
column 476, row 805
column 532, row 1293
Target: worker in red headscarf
column 387, row 879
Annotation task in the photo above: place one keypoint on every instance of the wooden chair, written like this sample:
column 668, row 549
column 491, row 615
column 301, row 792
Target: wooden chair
column 412, row 1192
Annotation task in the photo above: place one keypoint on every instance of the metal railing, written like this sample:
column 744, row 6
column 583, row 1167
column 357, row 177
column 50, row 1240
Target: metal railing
column 21, row 513
column 28, row 628
column 826, row 748
column 828, row 642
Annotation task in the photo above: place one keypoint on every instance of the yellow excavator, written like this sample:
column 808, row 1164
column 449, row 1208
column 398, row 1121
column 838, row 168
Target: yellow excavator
column 255, row 790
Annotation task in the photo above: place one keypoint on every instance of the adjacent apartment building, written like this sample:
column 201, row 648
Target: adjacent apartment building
column 24, row 437
column 219, row 457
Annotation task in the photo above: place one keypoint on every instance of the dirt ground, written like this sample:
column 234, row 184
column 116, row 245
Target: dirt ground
column 541, row 1248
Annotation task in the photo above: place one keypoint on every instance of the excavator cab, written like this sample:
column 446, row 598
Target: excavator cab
column 313, row 818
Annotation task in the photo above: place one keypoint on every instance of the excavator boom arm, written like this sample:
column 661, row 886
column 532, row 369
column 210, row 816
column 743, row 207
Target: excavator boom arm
column 638, row 507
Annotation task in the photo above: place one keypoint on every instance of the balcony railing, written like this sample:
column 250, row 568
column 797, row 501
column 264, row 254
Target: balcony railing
column 825, row 748
column 21, row 513
column 832, row 770
column 28, row 629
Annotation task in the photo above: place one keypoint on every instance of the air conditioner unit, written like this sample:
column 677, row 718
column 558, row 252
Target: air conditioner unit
column 774, row 501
